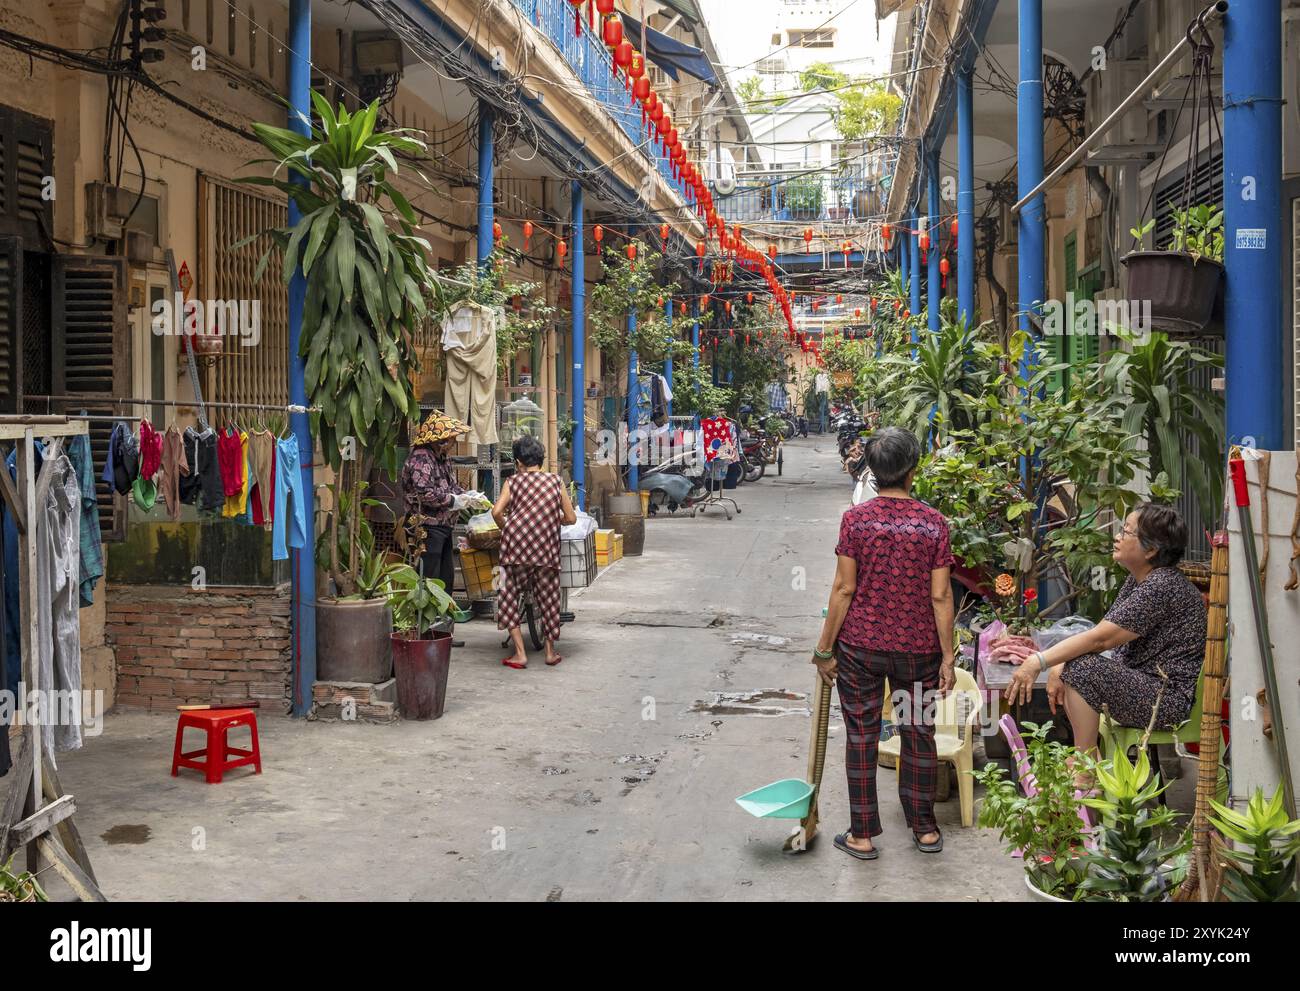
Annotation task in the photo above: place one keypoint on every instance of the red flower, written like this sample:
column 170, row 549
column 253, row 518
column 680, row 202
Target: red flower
column 1031, row 594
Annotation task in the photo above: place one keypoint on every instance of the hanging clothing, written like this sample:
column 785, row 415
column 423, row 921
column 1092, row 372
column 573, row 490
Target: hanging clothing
column 261, row 476
column 58, row 629
column 778, row 400
column 232, row 458
column 288, row 486
column 13, row 659
column 174, row 466
column 91, row 555
column 719, row 439
column 150, row 451
column 202, row 486
column 471, row 385
column 658, row 405
column 122, row 466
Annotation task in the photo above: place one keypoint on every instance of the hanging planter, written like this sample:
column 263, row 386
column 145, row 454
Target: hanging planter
column 1182, row 288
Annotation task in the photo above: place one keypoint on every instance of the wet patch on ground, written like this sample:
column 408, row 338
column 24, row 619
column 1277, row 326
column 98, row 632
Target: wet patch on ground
column 750, row 703
column 127, row 834
column 643, row 768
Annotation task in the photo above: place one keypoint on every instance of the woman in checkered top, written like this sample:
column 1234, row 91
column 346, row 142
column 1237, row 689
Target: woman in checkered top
column 530, row 511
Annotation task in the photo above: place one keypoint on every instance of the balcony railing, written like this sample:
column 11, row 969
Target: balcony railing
column 591, row 61
column 802, row 197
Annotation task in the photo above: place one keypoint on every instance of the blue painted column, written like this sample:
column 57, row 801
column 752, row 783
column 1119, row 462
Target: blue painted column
column 578, row 403
column 905, row 260
column 1029, row 167
column 1252, row 205
column 965, row 196
column 935, row 210
column 668, row 360
column 633, row 397
column 695, row 344
column 485, row 212
column 302, row 561
column 914, row 246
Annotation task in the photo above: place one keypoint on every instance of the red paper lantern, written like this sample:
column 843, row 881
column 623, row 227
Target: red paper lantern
column 925, row 246
column 631, row 252
column 598, row 233
column 623, row 54
column 496, row 231
column 886, row 232
column 577, row 16
column 857, row 312
column 612, row 31
column 771, row 251
column 528, row 232
column 771, row 308
column 636, row 68
column 839, row 298
column 704, row 301
column 681, row 309
column 663, row 233
column 749, row 298
column 953, row 228
column 641, row 90
column 699, row 249
column 807, row 240
column 605, row 7
column 561, row 249
column 943, row 272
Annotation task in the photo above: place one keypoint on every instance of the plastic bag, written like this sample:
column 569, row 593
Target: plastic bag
column 481, row 523
column 1060, row 630
column 578, row 531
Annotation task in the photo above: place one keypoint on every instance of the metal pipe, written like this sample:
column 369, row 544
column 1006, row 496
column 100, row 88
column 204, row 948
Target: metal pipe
column 1211, row 13
column 1029, row 168
column 485, row 205
column 965, row 196
column 578, row 401
column 1252, row 225
column 914, row 299
column 668, row 359
column 302, row 559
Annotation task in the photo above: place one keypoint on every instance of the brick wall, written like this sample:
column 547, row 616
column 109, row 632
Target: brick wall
column 177, row 645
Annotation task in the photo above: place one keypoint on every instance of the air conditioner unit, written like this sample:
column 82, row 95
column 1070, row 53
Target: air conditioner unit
column 1107, row 89
column 1008, row 228
column 107, row 210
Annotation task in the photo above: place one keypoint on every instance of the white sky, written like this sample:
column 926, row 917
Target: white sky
column 742, row 32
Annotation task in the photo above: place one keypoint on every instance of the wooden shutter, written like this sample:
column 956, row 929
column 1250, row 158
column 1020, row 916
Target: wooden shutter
column 11, row 324
column 26, row 159
column 91, row 355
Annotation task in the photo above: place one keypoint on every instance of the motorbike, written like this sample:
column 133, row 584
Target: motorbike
column 676, row 483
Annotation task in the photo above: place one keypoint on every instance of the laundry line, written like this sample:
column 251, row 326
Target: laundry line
column 174, row 403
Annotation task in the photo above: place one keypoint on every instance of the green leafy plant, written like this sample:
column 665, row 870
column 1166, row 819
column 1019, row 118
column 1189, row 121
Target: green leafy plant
column 1045, row 826
column 803, row 195
column 1263, row 867
column 1133, row 855
column 346, row 549
column 1198, row 230
column 419, row 604
column 1167, row 408
column 368, row 290
column 19, row 886
column 631, row 286
column 941, row 389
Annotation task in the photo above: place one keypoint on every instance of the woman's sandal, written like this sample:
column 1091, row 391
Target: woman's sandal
column 510, row 663
column 934, row 847
column 551, row 662
column 842, row 843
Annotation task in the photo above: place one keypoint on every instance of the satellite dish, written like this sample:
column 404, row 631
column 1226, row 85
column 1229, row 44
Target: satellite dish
column 724, row 186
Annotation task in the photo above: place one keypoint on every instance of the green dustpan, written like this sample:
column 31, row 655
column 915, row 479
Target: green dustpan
column 788, row 798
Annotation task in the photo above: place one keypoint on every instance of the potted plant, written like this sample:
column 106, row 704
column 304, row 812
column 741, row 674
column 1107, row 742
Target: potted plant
column 20, row 886
column 1041, row 822
column 368, row 291
column 1263, row 867
column 1135, row 861
column 423, row 613
column 1183, row 281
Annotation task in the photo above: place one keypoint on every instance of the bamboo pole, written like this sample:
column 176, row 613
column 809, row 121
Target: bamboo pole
column 1213, row 673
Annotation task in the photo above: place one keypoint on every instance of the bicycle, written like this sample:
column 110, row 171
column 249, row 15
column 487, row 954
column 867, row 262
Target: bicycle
column 529, row 617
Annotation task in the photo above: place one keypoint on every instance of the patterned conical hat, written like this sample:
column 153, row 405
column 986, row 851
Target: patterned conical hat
column 438, row 426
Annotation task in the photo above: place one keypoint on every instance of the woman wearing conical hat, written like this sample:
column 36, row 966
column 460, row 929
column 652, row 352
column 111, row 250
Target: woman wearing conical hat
column 430, row 492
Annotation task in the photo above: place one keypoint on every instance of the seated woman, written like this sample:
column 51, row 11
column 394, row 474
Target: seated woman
column 1155, row 632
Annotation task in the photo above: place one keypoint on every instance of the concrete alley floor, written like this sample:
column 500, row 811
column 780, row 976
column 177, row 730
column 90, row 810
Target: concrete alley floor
column 609, row 777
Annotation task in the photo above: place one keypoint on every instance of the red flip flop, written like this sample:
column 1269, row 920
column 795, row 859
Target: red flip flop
column 558, row 659
column 509, row 662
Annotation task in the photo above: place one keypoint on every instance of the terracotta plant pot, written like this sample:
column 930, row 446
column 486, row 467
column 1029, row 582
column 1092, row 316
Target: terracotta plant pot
column 1182, row 290
column 421, row 667
column 352, row 640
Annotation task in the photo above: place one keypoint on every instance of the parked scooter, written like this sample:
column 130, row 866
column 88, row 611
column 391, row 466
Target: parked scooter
column 676, row 483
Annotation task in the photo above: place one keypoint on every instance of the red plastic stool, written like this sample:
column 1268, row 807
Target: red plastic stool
column 216, row 723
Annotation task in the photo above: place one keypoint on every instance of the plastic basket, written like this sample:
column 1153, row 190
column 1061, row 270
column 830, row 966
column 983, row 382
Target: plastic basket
column 477, row 568
column 578, row 562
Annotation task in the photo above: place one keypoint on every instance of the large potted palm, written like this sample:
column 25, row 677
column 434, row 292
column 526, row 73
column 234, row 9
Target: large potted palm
column 368, row 288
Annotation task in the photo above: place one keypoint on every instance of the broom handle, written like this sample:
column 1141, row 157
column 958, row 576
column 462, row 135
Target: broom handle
column 821, row 723
column 1237, row 466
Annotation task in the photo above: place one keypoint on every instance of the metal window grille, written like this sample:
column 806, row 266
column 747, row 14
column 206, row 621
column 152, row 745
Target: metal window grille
column 244, row 374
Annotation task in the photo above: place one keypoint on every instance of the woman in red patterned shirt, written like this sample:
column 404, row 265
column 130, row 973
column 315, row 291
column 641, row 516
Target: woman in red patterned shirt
column 538, row 506
column 890, row 617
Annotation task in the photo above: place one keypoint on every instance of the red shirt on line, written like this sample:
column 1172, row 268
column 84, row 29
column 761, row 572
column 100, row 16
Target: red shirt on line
column 896, row 543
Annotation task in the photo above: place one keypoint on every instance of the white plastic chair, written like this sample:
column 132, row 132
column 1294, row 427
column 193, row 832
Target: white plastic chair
column 954, row 741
